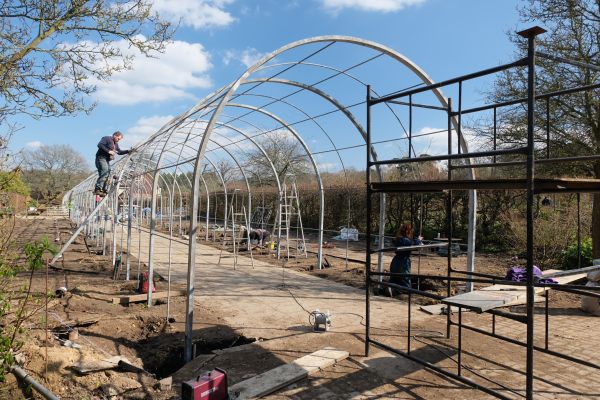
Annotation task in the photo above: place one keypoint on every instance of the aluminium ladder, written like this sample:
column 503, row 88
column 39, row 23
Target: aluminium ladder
column 289, row 214
column 231, row 235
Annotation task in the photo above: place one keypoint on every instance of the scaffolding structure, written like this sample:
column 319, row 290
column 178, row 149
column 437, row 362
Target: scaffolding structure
column 180, row 182
column 458, row 160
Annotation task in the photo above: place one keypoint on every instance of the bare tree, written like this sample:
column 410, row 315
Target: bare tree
column 50, row 170
column 285, row 152
column 573, row 33
column 227, row 169
column 50, row 49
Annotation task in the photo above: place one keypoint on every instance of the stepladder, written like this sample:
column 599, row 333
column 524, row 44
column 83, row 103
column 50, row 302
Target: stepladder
column 236, row 236
column 290, row 232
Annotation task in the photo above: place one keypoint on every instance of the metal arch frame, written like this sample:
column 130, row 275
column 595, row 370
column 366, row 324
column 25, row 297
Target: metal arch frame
column 426, row 80
column 258, row 146
column 157, row 173
column 261, row 149
column 361, row 131
column 222, row 101
column 89, row 217
column 288, row 127
column 215, row 104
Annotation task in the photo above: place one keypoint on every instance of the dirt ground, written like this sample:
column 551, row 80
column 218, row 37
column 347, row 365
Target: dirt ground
column 151, row 340
column 138, row 333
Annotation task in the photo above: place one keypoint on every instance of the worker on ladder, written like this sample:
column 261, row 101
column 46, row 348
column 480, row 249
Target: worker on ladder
column 107, row 148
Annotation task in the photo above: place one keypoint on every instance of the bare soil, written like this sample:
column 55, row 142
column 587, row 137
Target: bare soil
column 143, row 335
column 150, row 339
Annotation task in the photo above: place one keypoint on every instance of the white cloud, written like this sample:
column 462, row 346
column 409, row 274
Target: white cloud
column 143, row 128
column 435, row 141
column 248, row 56
column 328, row 167
column 198, row 14
column 36, row 144
column 166, row 76
column 370, row 5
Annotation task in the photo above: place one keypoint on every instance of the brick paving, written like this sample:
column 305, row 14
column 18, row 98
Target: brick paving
column 488, row 361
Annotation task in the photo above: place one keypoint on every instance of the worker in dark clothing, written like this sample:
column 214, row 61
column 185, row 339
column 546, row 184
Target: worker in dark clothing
column 401, row 262
column 107, row 148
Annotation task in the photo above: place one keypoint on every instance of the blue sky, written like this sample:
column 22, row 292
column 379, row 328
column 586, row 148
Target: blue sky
column 218, row 39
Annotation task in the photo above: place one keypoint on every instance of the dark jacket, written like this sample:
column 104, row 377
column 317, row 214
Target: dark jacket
column 107, row 144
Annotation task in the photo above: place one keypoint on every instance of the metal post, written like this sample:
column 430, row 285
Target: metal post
column 459, row 340
column 547, row 127
column 409, row 322
column 114, row 225
column 459, row 125
column 129, row 226
column 368, row 231
column 152, row 231
column 410, row 120
column 530, row 34
column 171, row 200
column 495, row 131
column 449, row 218
column 140, row 208
column 578, row 230
column 547, row 327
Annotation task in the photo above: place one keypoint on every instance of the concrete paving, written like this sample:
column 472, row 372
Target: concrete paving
column 267, row 300
column 271, row 302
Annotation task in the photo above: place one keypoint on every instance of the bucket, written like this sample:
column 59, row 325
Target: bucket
column 143, row 285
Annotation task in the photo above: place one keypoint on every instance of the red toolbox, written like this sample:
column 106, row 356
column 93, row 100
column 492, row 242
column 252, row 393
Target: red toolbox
column 211, row 386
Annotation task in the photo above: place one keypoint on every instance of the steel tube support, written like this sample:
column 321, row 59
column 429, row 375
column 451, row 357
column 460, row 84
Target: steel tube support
column 368, row 231
column 29, row 381
column 530, row 34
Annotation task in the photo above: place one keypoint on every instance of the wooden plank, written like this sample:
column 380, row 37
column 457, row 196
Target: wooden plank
column 277, row 378
column 542, row 185
column 521, row 301
column 479, row 301
column 136, row 298
column 499, row 295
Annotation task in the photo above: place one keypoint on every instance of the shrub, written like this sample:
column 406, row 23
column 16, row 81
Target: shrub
column 569, row 255
column 15, row 304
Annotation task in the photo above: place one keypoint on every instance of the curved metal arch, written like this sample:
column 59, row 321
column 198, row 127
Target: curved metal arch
column 361, row 42
column 331, row 100
column 258, row 146
column 241, row 170
column 308, row 116
column 284, row 124
column 244, row 174
column 472, row 214
column 215, row 104
column 332, row 68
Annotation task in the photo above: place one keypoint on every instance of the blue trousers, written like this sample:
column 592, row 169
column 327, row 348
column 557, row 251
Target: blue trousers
column 401, row 265
column 103, row 167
